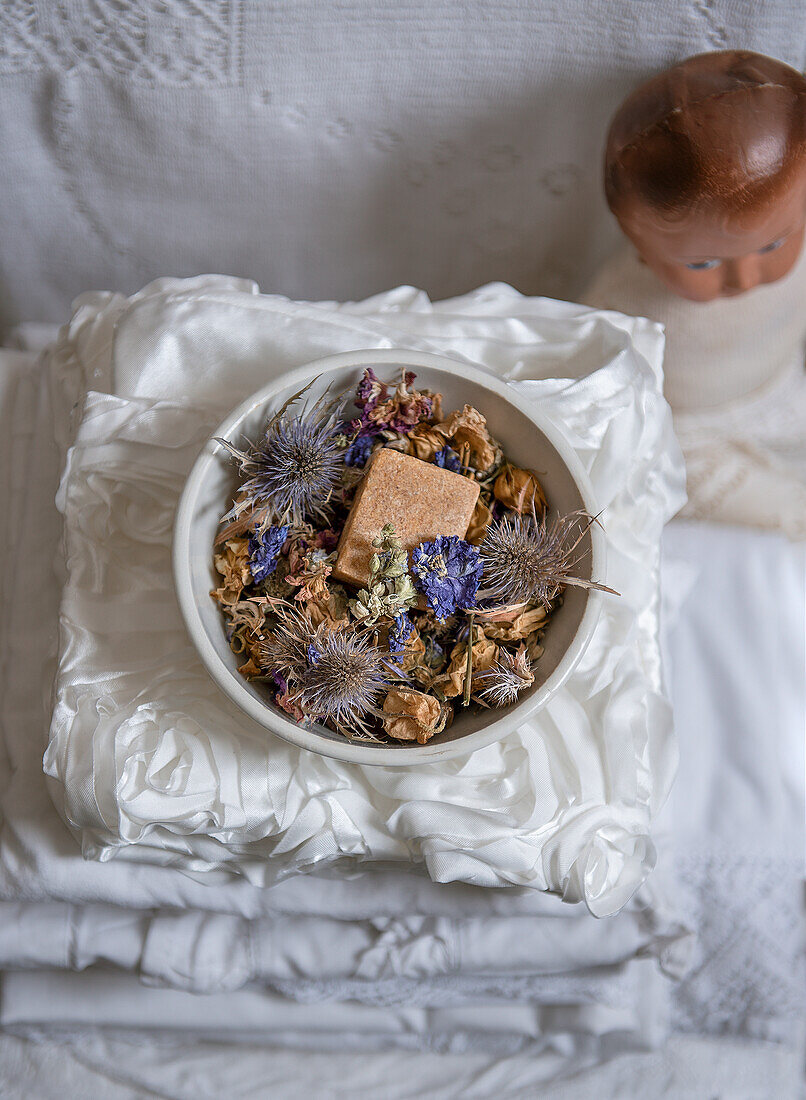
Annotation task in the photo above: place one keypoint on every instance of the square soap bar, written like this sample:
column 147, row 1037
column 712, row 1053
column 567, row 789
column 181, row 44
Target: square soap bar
column 421, row 501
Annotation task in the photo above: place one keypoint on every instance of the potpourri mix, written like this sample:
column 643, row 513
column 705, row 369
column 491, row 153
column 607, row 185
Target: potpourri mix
column 434, row 624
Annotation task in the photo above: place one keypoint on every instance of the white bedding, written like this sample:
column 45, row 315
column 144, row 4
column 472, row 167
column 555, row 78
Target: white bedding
column 765, row 868
column 592, row 975
column 150, row 754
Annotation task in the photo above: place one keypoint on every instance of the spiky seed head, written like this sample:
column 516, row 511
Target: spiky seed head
column 291, row 472
column 528, row 560
column 344, row 679
column 337, row 675
column 506, row 679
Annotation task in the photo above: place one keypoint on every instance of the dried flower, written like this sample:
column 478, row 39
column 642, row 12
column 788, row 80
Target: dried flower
column 514, row 624
column 370, row 391
column 519, row 489
column 359, row 450
column 311, row 571
column 399, row 633
column 343, row 678
column 284, row 699
column 232, row 562
column 448, row 459
column 502, row 683
column 402, row 411
column 526, row 559
column 424, row 442
column 284, row 650
column 484, row 654
column 334, row 674
column 470, row 427
column 264, row 550
column 479, row 522
column 411, row 715
column 292, row 471
column 389, row 589
column 276, row 585
column 448, row 572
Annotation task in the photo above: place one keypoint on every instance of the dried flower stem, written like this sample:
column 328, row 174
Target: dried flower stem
column 469, row 666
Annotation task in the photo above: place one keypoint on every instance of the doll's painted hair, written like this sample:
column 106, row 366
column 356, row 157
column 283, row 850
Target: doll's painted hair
column 723, row 130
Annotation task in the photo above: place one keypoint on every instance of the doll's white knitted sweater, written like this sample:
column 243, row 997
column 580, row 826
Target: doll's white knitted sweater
column 735, row 380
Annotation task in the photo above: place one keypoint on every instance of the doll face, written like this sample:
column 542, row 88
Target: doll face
column 709, row 256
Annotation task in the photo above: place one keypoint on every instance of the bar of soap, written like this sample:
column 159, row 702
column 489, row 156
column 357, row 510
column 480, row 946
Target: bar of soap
column 420, row 499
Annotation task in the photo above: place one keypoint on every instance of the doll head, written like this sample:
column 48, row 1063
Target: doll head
column 705, row 170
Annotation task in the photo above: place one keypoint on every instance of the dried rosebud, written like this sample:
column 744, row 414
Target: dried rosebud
column 517, row 488
column 425, row 442
column 479, row 522
column 514, row 626
column 469, row 426
column 412, row 715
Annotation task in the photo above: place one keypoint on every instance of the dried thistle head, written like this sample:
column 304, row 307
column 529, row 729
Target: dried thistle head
column 291, row 472
column 344, row 679
column 284, row 649
column 335, row 674
column 527, row 559
column 507, row 678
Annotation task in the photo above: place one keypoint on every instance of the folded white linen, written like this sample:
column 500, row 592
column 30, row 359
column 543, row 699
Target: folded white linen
column 131, row 737
column 63, row 1003
column 737, row 813
column 727, row 856
column 409, row 959
column 38, row 860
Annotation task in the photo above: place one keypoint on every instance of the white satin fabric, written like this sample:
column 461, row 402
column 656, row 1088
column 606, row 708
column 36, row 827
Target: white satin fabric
column 732, row 837
column 151, row 754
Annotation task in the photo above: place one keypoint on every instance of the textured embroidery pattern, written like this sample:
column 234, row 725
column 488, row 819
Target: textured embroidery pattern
column 154, row 42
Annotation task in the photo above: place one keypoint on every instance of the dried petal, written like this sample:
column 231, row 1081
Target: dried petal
column 425, row 442
column 233, row 565
column 412, row 715
column 517, row 488
column 515, row 625
column 485, row 654
column 469, row 426
column 479, row 522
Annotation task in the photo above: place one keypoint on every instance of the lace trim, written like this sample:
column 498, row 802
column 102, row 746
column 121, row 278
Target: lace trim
column 153, row 42
column 747, row 973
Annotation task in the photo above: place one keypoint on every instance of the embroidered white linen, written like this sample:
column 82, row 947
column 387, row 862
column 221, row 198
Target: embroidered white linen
column 150, row 754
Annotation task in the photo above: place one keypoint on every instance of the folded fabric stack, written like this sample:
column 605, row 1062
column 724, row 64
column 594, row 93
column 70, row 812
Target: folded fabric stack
column 313, row 902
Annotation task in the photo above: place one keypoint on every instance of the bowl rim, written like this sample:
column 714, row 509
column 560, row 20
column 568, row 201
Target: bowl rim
column 361, row 752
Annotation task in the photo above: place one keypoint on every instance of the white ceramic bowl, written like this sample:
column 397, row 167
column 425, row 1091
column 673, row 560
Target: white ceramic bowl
column 529, row 439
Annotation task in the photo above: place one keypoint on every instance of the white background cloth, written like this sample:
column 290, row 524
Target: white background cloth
column 326, row 151
column 145, row 137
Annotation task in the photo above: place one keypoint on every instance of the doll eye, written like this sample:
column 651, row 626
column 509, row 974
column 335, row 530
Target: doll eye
column 772, row 247
column 703, row 265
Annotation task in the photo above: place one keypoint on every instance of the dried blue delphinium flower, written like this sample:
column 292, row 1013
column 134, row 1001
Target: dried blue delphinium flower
column 264, row 550
column 529, row 560
column 358, row 451
column 448, row 572
column 399, row 633
column 506, row 679
column 292, row 470
column 448, row 459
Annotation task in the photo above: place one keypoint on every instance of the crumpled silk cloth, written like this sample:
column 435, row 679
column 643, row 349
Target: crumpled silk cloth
column 148, row 753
